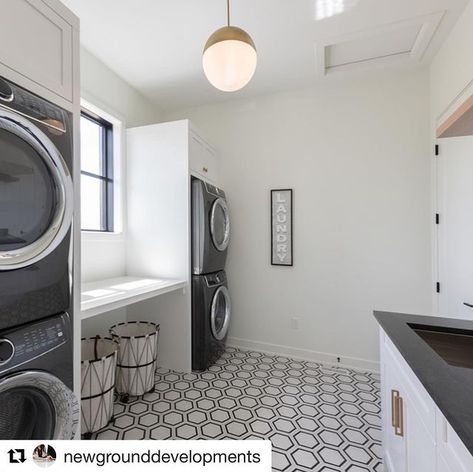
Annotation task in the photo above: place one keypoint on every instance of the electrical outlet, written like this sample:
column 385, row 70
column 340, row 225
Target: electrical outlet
column 295, row 323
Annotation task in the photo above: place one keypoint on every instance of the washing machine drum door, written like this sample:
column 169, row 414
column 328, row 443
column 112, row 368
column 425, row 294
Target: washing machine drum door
column 220, row 224
column 220, row 313
column 36, row 405
column 36, row 196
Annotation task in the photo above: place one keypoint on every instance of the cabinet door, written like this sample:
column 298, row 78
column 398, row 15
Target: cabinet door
column 450, row 448
column 37, row 43
column 196, row 154
column 443, row 466
column 420, row 443
column 202, row 159
column 394, row 439
column 210, row 159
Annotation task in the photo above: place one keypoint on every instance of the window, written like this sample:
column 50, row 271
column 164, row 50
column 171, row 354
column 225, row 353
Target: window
column 96, row 173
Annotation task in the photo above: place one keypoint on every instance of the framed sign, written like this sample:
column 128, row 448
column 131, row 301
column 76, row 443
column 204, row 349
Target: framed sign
column 281, row 228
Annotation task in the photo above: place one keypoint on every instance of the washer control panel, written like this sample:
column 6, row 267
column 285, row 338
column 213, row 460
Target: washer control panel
column 36, row 107
column 26, row 103
column 27, row 343
column 218, row 278
column 214, row 190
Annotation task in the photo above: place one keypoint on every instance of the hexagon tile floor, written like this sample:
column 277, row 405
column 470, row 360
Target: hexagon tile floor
column 319, row 418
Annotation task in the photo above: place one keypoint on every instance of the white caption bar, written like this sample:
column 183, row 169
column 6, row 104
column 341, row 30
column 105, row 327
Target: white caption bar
column 210, row 456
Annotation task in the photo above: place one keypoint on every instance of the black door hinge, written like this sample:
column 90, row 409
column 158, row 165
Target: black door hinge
column 437, row 219
column 438, row 287
column 437, row 150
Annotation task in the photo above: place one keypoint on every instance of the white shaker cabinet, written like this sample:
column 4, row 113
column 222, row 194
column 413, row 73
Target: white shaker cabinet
column 408, row 426
column 395, row 449
column 416, row 436
column 203, row 160
column 36, row 44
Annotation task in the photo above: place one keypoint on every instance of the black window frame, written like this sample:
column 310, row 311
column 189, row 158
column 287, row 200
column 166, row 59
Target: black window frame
column 106, row 156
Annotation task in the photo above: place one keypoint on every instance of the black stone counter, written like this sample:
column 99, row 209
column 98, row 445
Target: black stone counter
column 450, row 387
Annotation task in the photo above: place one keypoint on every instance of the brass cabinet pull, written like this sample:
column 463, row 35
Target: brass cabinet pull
column 394, row 395
column 399, row 431
column 397, row 413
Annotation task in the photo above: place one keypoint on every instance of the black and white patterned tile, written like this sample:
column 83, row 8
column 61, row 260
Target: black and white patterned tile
column 319, row 418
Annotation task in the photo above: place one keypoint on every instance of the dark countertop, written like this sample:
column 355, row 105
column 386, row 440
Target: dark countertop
column 450, row 387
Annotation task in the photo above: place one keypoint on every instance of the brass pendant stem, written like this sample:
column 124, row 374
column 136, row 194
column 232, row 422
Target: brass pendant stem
column 228, row 12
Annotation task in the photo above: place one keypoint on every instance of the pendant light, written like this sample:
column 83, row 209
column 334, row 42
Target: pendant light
column 229, row 57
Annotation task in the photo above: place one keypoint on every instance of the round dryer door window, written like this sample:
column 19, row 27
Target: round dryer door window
column 36, row 195
column 220, row 314
column 220, row 224
column 36, row 405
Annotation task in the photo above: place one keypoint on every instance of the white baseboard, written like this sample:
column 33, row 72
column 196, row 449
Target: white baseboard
column 304, row 354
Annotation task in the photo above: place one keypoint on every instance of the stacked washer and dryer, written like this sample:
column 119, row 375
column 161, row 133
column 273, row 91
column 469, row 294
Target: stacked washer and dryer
column 211, row 305
column 36, row 206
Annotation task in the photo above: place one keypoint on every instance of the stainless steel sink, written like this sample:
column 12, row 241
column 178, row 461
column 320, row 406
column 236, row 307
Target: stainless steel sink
column 454, row 346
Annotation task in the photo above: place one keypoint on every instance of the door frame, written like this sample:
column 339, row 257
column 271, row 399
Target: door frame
column 437, row 203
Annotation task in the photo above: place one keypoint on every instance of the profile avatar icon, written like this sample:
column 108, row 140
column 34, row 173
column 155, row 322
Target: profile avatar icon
column 44, row 455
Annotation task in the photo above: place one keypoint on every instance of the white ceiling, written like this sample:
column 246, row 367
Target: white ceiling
column 156, row 45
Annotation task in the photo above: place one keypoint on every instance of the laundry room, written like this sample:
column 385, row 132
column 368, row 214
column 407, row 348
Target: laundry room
column 239, row 220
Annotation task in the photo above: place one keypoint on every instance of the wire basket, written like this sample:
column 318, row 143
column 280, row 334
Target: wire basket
column 98, row 369
column 137, row 357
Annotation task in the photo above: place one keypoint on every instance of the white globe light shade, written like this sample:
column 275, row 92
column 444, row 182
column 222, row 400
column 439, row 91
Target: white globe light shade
column 229, row 59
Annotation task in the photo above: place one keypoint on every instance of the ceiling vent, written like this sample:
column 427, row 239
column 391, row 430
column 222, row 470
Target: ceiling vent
column 402, row 41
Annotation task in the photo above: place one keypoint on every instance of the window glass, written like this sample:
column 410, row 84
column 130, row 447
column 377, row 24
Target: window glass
column 91, row 206
column 96, row 174
column 91, row 146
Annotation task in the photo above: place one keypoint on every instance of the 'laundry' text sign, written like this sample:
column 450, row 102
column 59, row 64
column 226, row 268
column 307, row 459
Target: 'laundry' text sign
column 281, row 227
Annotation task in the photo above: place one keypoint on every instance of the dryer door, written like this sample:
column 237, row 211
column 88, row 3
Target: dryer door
column 220, row 224
column 36, row 197
column 220, row 314
column 36, row 405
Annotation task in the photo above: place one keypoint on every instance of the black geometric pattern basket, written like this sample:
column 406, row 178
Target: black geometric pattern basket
column 137, row 357
column 98, row 368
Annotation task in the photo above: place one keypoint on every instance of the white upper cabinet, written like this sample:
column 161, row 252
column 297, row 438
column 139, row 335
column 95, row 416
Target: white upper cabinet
column 203, row 161
column 36, row 43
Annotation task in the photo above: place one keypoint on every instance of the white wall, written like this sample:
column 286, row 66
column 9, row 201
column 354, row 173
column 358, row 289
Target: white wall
column 357, row 156
column 104, row 256
column 452, row 68
column 105, row 89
